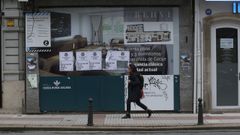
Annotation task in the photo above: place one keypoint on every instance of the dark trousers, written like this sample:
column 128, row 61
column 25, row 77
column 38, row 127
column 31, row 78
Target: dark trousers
column 138, row 102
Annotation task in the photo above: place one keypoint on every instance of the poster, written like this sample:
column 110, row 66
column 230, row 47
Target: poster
column 32, row 79
column 148, row 33
column 38, row 32
column 117, row 60
column 226, row 43
column 82, row 60
column 66, row 61
column 88, row 60
column 151, row 59
column 95, row 61
column 158, row 92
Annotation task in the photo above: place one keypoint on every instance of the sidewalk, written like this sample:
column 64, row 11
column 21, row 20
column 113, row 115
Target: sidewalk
column 139, row 121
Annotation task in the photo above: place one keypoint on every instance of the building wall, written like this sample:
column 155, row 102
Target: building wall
column 221, row 11
column 13, row 93
column 13, row 43
column 186, row 48
column 12, row 58
column 216, row 7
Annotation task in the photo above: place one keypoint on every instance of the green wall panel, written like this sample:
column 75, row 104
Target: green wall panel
column 86, row 87
column 55, row 97
column 112, row 93
column 59, row 94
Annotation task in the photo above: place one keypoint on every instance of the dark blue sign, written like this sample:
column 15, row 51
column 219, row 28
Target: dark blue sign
column 208, row 11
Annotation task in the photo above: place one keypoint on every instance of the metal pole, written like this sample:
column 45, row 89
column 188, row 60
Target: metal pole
column 90, row 112
column 200, row 112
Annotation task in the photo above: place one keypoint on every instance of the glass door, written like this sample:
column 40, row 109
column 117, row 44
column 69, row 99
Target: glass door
column 225, row 66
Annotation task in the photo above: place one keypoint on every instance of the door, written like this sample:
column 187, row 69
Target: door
column 225, row 46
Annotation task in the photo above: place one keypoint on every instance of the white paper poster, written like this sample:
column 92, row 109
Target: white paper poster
column 88, row 60
column 95, row 60
column 32, row 79
column 158, row 92
column 226, row 43
column 66, row 61
column 82, row 60
column 117, row 60
column 38, row 30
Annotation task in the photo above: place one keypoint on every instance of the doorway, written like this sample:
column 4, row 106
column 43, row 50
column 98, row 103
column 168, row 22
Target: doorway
column 225, row 46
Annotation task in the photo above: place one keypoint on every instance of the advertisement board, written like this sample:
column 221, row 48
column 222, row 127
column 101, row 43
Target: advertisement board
column 38, row 32
column 158, row 92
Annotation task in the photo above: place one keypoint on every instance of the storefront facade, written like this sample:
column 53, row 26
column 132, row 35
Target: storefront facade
column 77, row 49
column 218, row 43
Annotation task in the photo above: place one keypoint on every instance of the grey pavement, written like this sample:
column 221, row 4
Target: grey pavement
column 113, row 121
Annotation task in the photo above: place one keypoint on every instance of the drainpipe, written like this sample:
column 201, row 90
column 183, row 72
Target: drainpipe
column 198, row 60
column 201, row 70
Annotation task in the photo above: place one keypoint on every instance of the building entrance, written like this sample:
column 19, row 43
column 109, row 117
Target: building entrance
column 225, row 46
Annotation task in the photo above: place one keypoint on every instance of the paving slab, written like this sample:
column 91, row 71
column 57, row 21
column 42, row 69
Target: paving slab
column 114, row 121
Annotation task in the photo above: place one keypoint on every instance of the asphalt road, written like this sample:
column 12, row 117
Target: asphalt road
column 180, row 132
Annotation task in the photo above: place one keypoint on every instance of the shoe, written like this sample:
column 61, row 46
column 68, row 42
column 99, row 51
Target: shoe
column 127, row 116
column 149, row 113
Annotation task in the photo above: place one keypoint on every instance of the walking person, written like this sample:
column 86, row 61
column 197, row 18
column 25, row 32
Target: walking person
column 134, row 91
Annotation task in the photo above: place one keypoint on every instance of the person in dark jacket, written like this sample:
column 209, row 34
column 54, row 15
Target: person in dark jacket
column 134, row 91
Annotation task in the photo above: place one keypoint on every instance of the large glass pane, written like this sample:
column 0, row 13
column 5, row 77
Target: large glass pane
column 227, row 66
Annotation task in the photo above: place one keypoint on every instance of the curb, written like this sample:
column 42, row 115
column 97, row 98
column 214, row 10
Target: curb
column 104, row 128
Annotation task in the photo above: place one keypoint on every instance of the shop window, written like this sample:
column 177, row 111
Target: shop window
column 147, row 37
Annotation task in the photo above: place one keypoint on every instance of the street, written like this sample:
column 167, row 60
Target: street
column 175, row 132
